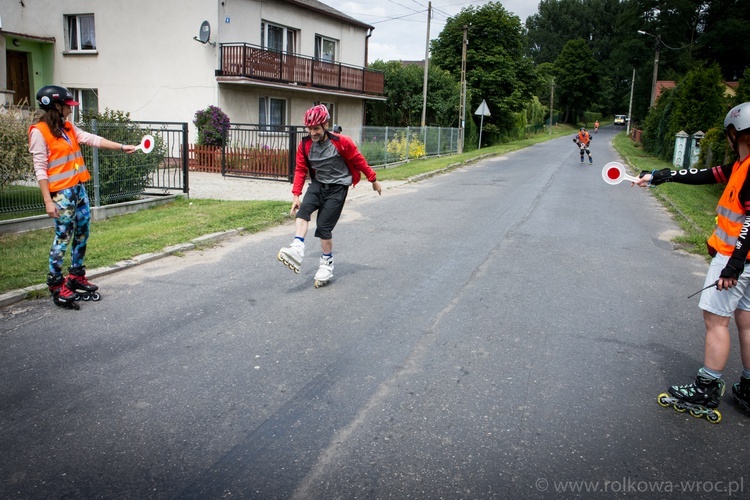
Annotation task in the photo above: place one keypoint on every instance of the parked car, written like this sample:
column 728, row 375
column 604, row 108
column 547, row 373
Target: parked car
column 621, row 119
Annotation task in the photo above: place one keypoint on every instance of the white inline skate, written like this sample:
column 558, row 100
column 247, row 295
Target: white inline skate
column 325, row 272
column 292, row 255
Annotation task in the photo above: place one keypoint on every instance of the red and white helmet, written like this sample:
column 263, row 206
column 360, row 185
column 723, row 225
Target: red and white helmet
column 317, row 115
column 738, row 117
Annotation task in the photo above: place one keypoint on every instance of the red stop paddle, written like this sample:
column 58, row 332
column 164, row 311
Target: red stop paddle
column 147, row 143
column 614, row 173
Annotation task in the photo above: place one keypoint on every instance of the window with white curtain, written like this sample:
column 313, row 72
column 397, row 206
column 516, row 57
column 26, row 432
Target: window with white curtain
column 272, row 112
column 277, row 37
column 325, row 48
column 80, row 33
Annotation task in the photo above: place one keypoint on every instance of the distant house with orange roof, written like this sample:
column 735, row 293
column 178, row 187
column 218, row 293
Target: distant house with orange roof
column 661, row 85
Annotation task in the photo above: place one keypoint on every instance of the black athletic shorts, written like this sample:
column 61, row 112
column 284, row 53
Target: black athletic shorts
column 328, row 200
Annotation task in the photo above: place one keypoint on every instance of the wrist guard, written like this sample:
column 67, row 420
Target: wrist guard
column 733, row 268
column 658, row 176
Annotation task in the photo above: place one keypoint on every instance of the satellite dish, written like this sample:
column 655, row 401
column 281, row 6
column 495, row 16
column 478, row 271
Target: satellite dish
column 204, row 33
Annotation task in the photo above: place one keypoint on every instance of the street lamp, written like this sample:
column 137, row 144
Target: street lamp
column 656, row 65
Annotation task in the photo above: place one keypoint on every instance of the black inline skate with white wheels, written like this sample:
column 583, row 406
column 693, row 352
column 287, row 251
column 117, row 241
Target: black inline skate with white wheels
column 701, row 398
column 81, row 286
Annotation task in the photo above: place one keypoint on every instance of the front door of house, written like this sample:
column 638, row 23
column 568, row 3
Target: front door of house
column 18, row 76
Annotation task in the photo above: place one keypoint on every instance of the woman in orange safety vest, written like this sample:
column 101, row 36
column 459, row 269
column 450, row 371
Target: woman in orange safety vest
column 61, row 172
column 727, row 284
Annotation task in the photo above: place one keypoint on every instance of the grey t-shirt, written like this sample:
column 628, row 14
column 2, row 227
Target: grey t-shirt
column 330, row 167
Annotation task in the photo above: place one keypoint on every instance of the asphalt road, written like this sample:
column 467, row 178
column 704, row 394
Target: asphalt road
column 501, row 331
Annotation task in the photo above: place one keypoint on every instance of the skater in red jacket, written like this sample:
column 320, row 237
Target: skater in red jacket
column 333, row 163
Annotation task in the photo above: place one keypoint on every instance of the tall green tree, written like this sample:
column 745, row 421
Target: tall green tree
column 405, row 96
column 559, row 21
column 576, row 79
column 722, row 36
column 697, row 104
column 497, row 69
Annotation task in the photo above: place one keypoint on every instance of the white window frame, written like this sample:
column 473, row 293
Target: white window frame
column 289, row 37
column 84, row 98
column 74, row 33
column 265, row 104
column 320, row 43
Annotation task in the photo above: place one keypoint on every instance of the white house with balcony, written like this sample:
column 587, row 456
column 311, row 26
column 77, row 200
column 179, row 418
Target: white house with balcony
column 262, row 62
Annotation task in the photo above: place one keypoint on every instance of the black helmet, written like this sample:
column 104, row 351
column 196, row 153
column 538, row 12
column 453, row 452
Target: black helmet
column 50, row 94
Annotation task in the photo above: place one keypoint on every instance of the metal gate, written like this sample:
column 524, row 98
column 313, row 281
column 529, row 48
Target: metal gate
column 260, row 151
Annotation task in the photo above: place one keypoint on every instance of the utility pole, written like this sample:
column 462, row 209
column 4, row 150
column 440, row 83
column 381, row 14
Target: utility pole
column 426, row 63
column 551, row 103
column 630, row 107
column 462, row 110
column 656, row 71
column 657, row 38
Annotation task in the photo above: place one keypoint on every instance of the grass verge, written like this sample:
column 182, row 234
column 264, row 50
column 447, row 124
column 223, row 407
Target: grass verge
column 24, row 255
column 693, row 207
column 422, row 166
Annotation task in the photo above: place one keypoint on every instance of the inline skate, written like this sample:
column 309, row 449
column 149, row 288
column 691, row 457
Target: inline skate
column 701, row 398
column 325, row 272
column 292, row 255
column 62, row 296
column 741, row 393
column 81, row 286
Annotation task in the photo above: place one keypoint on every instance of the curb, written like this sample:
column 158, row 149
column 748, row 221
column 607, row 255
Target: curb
column 19, row 295
column 15, row 296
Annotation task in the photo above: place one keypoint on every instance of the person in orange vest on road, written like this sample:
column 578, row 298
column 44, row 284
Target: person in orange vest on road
column 61, row 172
column 596, row 126
column 583, row 139
column 727, row 283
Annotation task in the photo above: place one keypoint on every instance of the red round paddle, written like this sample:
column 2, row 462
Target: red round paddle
column 614, row 173
column 147, row 143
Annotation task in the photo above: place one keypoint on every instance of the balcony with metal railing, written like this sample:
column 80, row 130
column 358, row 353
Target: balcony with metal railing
column 246, row 62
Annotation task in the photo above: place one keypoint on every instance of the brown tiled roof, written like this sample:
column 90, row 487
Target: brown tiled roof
column 669, row 84
column 320, row 7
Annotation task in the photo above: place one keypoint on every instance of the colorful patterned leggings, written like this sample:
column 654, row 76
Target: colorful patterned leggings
column 73, row 205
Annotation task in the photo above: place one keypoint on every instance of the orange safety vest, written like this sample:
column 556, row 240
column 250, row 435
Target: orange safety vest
column 730, row 212
column 584, row 138
column 65, row 167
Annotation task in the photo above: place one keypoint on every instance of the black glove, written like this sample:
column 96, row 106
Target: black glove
column 733, row 268
column 658, row 176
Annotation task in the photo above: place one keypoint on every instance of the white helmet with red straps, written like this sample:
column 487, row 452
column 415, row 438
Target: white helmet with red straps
column 738, row 117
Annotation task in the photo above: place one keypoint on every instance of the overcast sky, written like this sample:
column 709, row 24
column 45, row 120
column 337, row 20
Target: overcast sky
column 401, row 25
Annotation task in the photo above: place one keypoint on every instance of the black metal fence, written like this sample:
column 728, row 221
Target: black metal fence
column 261, row 151
column 116, row 177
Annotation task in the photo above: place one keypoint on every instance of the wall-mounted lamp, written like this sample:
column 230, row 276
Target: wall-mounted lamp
column 16, row 42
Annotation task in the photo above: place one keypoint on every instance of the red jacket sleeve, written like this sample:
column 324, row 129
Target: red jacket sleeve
column 300, row 171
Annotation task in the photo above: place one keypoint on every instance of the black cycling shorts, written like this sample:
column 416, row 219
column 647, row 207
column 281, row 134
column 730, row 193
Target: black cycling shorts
column 328, row 200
